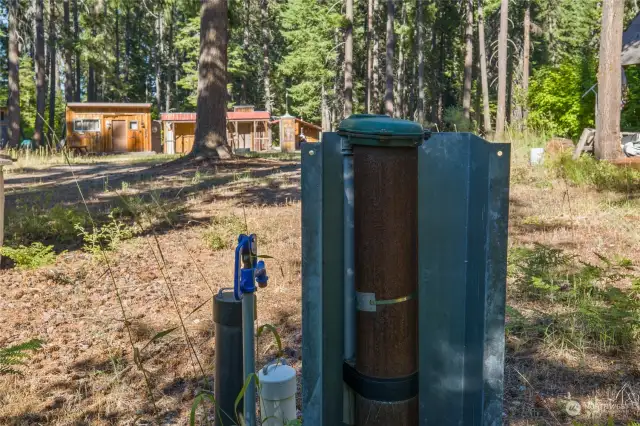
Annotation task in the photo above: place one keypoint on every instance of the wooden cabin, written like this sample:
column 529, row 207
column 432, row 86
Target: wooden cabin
column 247, row 130
column 294, row 131
column 108, row 127
column 4, row 126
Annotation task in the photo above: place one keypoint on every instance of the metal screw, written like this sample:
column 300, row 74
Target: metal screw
column 312, row 152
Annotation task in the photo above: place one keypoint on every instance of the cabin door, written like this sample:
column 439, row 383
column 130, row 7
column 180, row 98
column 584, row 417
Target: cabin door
column 119, row 135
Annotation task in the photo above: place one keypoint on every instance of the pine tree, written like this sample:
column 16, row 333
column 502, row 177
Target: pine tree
column 211, row 124
column 468, row 60
column 41, row 84
column 53, row 72
column 388, row 95
column 348, row 60
column 607, row 142
column 14, row 75
column 502, row 69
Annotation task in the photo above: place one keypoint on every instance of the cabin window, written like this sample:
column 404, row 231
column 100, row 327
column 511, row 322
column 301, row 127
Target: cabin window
column 133, row 125
column 86, row 125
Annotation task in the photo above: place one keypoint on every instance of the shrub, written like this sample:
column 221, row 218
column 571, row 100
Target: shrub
column 31, row 222
column 107, row 236
column 600, row 174
column 29, row 257
column 555, row 101
column 223, row 232
column 456, row 121
column 584, row 309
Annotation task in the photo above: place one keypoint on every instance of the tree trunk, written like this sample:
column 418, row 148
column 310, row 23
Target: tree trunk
column 170, row 70
column 76, row 38
column 117, row 53
column 399, row 103
column 526, row 45
column 369, row 41
column 502, row 69
column 68, row 54
column 245, row 50
column 468, row 61
column 14, row 75
column 483, row 70
column 326, row 115
column 607, row 141
column 348, row 61
column 159, row 56
column 52, row 76
column 91, row 83
column 264, row 14
column 420, row 36
column 211, row 122
column 375, row 62
column 388, row 95
column 439, row 106
column 41, row 84
column 127, row 44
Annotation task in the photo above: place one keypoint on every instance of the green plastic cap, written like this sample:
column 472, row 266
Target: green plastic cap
column 380, row 130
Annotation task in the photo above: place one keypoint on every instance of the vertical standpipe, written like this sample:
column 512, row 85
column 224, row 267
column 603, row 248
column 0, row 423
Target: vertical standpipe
column 385, row 168
column 248, row 318
column 227, row 317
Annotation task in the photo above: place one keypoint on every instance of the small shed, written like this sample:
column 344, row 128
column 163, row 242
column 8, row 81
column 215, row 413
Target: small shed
column 4, row 126
column 108, row 127
column 294, row 131
column 247, row 130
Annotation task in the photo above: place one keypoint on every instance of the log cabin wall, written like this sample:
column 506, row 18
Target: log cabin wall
column 104, row 127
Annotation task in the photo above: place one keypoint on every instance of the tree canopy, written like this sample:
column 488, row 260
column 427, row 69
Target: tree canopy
column 289, row 55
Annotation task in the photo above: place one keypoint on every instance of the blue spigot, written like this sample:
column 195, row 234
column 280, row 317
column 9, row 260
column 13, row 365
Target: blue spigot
column 248, row 270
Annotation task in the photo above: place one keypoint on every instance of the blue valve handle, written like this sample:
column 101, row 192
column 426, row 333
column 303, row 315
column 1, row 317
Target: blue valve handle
column 252, row 271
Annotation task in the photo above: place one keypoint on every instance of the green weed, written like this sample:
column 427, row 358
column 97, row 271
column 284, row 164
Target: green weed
column 584, row 308
column 16, row 355
column 107, row 236
column 32, row 222
column 223, row 232
column 30, row 257
column 602, row 175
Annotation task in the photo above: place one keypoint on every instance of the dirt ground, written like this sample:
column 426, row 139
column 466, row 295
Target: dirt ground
column 86, row 373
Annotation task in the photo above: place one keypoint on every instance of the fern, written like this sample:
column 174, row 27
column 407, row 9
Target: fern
column 30, row 257
column 16, row 355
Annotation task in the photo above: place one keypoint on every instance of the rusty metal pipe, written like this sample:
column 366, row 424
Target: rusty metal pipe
column 386, row 276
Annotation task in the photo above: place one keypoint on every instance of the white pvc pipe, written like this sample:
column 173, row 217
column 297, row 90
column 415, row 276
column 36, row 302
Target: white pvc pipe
column 277, row 394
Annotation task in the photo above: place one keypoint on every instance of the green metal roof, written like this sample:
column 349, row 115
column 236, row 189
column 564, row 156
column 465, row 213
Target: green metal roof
column 380, row 130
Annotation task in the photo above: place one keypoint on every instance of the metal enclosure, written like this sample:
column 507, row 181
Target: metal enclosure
column 463, row 186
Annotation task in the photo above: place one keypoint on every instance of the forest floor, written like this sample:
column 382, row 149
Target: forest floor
column 176, row 250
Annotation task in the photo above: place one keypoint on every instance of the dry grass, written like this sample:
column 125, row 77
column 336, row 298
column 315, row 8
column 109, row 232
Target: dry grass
column 25, row 160
column 86, row 374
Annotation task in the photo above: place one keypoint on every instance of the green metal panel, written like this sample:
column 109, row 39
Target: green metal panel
column 463, row 212
column 312, row 302
column 380, row 130
column 322, row 281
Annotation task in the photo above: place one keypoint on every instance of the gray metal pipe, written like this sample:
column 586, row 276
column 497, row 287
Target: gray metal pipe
column 248, row 338
column 227, row 317
column 349, row 284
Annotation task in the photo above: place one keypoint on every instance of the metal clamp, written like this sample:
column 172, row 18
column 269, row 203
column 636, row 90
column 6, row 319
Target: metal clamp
column 367, row 301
